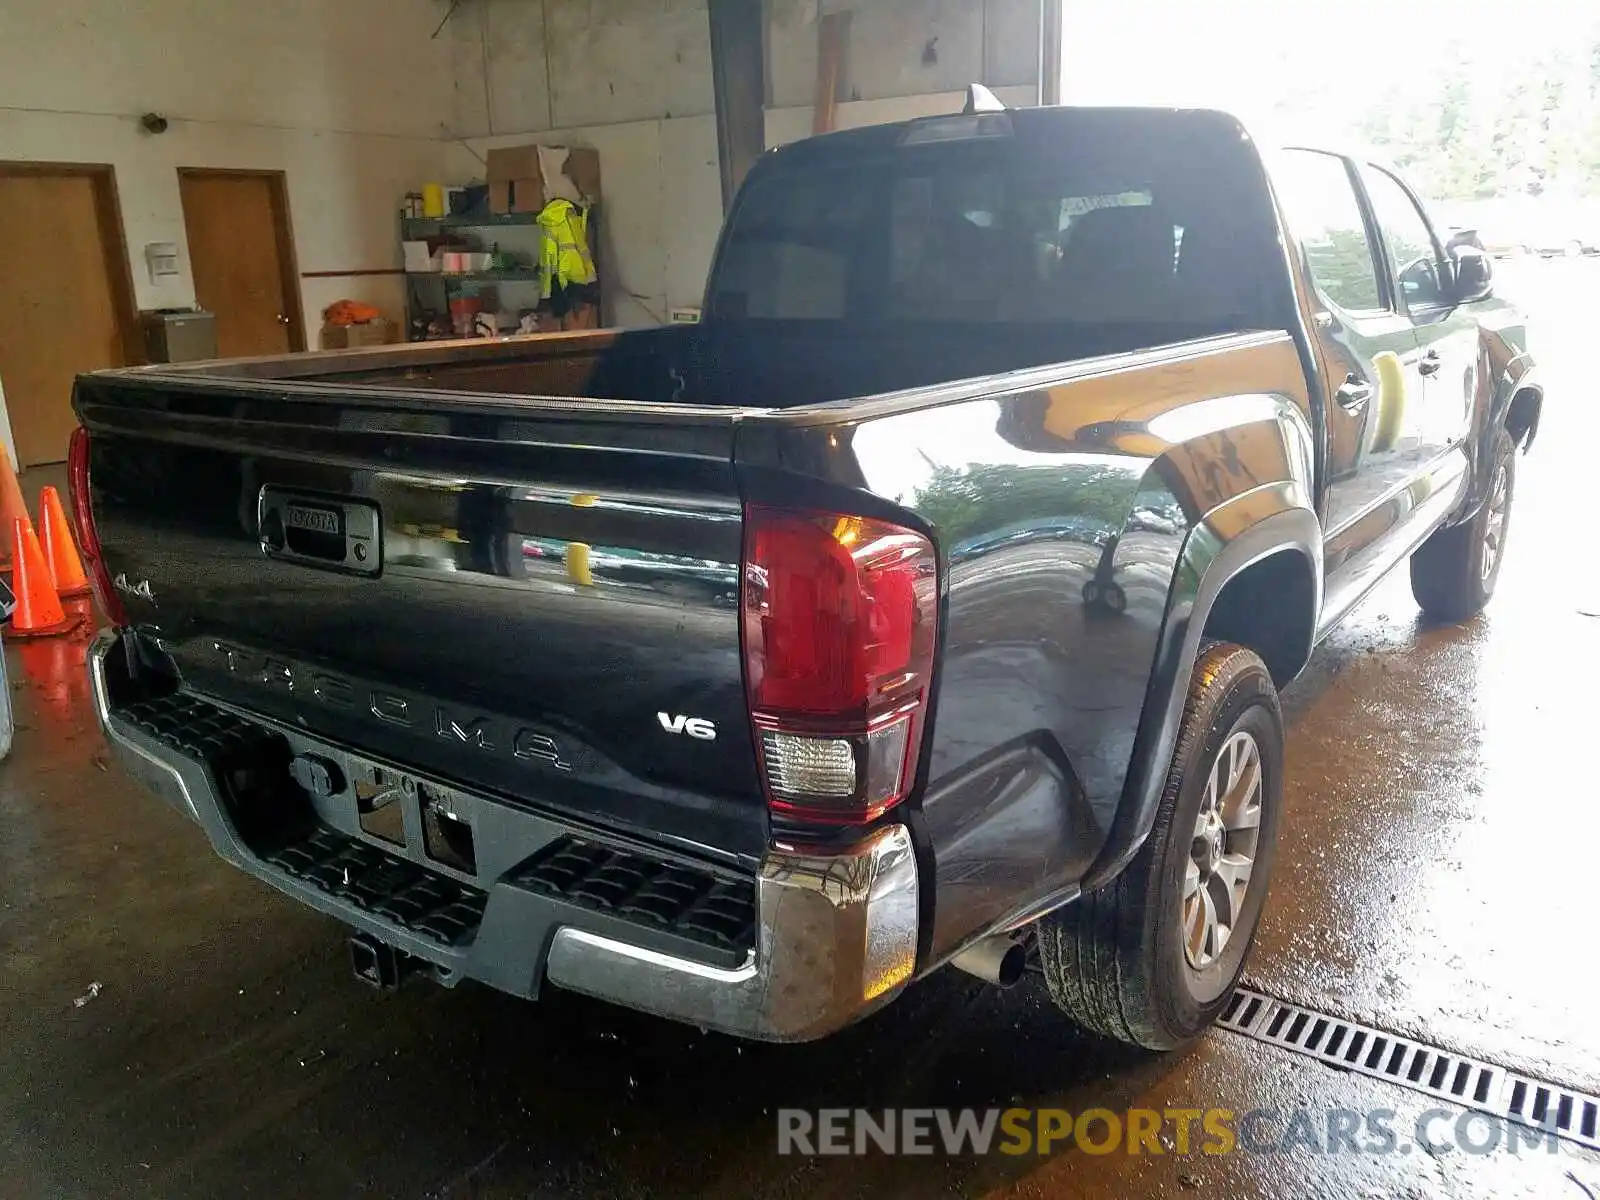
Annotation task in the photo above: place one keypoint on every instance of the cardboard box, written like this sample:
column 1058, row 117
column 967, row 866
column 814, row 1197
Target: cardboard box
column 349, row 337
column 523, row 179
column 419, row 258
column 582, row 316
column 514, row 182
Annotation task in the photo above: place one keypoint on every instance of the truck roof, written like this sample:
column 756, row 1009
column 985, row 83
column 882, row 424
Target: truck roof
column 871, row 139
column 1024, row 121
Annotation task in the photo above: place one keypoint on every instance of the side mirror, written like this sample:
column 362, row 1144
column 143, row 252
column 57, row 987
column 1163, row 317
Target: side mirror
column 1474, row 272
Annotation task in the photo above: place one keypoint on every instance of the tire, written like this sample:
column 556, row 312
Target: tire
column 1454, row 572
column 1116, row 960
column 1115, row 598
column 1091, row 593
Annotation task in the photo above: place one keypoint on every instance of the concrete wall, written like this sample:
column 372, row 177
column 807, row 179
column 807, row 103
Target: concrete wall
column 662, row 209
column 346, row 96
column 633, row 79
column 529, row 65
column 902, row 48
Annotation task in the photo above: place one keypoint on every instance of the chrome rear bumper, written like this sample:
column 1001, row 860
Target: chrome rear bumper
column 835, row 935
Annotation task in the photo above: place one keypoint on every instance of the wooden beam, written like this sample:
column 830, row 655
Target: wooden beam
column 833, row 31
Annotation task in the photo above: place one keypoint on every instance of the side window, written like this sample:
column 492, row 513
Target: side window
column 1418, row 274
column 1324, row 214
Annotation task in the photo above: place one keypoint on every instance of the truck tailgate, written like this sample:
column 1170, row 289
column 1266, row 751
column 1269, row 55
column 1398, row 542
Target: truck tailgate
column 540, row 602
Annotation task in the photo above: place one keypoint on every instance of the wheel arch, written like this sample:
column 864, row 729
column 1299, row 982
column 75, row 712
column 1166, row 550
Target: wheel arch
column 1515, row 404
column 1523, row 413
column 1258, row 540
column 1270, row 607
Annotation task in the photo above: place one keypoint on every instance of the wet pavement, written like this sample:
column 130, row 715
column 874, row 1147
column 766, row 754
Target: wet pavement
column 169, row 1027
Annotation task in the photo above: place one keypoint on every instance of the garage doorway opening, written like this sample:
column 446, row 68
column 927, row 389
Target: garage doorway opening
column 241, row 253
column 66, row 296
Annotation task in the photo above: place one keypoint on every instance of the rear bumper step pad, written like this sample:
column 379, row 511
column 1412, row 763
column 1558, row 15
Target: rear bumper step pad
column 411, row 896
column 665, row 896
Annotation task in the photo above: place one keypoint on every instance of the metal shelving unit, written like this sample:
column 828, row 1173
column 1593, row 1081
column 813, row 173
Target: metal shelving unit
column 418, row 289
column 420, row 228
column 528, row 274
column 413, row 227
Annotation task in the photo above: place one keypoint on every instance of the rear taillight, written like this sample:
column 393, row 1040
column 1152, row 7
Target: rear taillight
column 839, row 616
column 83, row 522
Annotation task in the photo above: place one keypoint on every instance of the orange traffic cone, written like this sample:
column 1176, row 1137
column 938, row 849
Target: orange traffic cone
column 12, row 506
column 38, row 612
column 60, row 553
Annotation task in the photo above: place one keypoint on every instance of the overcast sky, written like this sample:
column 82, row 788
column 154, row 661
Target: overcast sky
column 1244, row 55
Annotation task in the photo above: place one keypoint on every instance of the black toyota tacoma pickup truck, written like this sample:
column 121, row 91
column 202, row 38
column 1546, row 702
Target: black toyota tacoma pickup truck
column 926, row 604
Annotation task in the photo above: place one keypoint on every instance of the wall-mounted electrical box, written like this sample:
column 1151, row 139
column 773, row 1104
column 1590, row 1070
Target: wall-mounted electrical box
column 162, row 259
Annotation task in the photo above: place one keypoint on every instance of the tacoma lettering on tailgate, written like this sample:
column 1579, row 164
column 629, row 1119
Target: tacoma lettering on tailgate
column 480, row 730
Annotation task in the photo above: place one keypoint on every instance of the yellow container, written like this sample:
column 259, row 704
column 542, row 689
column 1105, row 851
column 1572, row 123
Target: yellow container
column 433, row 199
column 579, row 569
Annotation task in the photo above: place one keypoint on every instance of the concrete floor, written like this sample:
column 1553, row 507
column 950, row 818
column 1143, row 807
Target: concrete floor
column 1434, row 881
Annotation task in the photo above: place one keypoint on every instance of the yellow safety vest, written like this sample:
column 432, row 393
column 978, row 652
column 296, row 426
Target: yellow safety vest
column 564, row 249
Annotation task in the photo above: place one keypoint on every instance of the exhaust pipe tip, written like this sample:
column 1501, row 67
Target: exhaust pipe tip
column 999, row 959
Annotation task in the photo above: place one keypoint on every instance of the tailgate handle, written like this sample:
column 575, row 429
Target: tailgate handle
column 321, row 531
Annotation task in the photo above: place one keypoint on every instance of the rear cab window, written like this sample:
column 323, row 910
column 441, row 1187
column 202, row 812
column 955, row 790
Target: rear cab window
column 1153, row 221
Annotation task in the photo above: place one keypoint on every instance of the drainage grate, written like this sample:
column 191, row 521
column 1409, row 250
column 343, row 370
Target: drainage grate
column 1468, row 1082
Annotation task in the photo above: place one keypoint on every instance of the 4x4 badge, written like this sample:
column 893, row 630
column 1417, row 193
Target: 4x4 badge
column 140, row 589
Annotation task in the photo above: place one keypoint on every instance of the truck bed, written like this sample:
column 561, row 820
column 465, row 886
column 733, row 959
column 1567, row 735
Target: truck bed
column 776, row 365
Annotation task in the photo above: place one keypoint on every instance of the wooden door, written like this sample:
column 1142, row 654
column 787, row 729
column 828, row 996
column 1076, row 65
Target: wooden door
column 243, row 260
column 65, row 296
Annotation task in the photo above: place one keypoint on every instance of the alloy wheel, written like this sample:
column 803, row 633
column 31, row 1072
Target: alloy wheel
column 1222, row 854
column 1494, row 530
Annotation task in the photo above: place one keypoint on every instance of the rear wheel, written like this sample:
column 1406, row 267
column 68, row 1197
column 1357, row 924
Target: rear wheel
column 1453, row 573
column 1152, row 957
